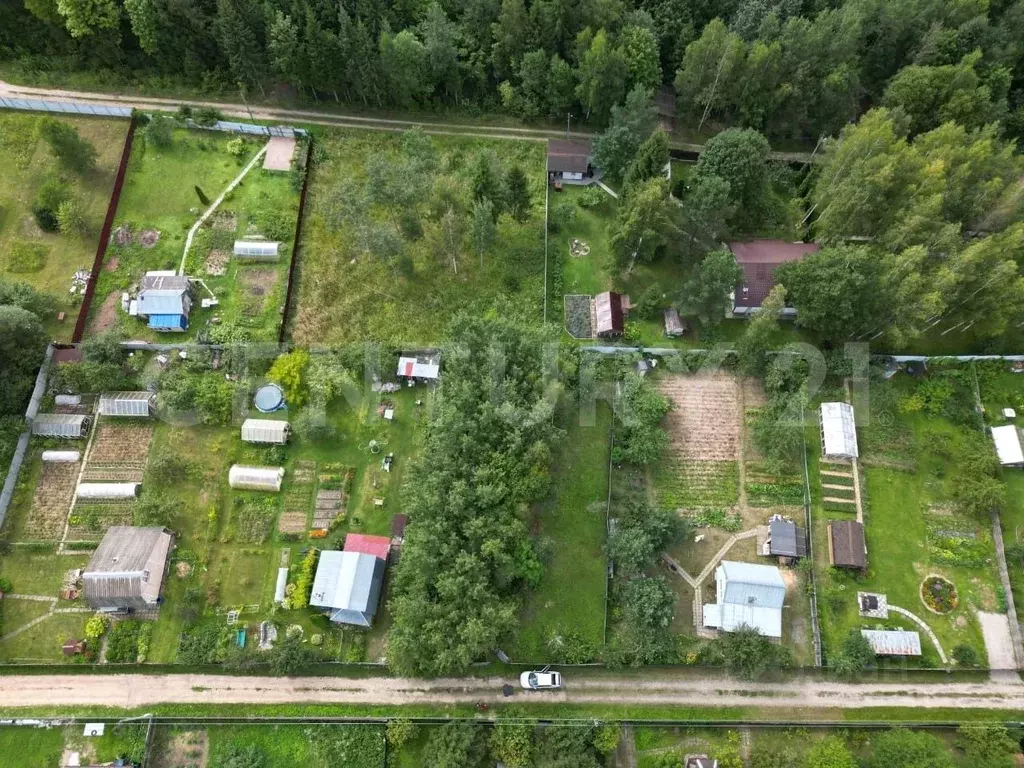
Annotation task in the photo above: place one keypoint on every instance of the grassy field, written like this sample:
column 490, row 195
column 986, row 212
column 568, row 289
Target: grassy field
column 161, row 195
column 47, row 261
column 571, row 528
column 377, row 271
column 908, row 484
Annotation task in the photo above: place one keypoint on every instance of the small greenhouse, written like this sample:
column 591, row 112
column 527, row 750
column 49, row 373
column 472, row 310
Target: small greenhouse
column 66, row 425
column 255, row 478
column 838, row 431
column 107, row 491
column 256, row 250
column 280, row 589
column 62, row 457
column 67, row 400
column 265, row 431
column 131, row 404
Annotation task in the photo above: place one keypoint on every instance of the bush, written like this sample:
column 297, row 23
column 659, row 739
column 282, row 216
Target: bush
column 26, row 257
column 965, row 656
column 49, row 196
column 160, row 131
column 748, row 654
column 591, row 197
column 5, row 585
column 70, row 218
column 96, row 626
column 236, row 147
column 207, row 116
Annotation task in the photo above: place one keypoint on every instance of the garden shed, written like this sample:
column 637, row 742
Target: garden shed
column 847, row 547
column 675, row 326
column 893, row 642
column 255, row 478
column 107, row 491
column 748, row 595
column 347, row 587
column 127, row 404
column 265, row 431
column 127, row 570
column 569, row 161
column 256, row 250
column 62, row 457
column 838, row 431
column 66, row 425
column 610, row 310
column 422, row 366
column 785, row 538
column 1008, row 442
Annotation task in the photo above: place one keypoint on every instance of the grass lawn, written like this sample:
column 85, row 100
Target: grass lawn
column 906, row 507
column 42, row 643
column 38, row 573
column 24, row 747
column 47, row 261
column 592, row 273
column 348, row 291
column 160, row 196
column 571, row 526
column 1011, row 517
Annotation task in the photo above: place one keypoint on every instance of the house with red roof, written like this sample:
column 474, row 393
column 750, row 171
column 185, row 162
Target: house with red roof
column 758, row 260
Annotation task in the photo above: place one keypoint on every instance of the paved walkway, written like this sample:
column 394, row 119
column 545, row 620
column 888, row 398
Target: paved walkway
column 608, row 189
column 924, row 627
column 1011, row 606
column 995, row 630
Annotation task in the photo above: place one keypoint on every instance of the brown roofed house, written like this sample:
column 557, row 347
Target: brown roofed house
column 846, row 545
column 569, row 161
column 758, row 260
column 126, row 572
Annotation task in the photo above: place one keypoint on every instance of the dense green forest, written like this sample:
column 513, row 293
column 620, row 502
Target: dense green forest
column 788, row 68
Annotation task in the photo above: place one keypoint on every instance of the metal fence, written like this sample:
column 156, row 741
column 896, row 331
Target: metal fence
column 65, row 107
column 251, row 129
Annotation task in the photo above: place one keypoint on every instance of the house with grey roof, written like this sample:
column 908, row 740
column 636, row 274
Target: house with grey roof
column 165, row 301
column 748, row 595
column 126, row 572
column 347, row 587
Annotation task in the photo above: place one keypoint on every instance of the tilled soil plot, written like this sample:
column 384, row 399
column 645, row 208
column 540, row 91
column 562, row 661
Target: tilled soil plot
column 704, row 423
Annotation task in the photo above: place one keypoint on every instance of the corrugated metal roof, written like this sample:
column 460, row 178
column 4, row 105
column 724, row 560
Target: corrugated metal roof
column 419, row 365
column 889, row 642
column 265, row 431
column 751, row 584
column 608, row 312
column 838, row 430
column 568, row 156
column 787, row 539
column 378, row 546
column 155, row 281
column 349, row 584
column 163, row 302
column 127, row 568
column 168, row 322
column 729, row 617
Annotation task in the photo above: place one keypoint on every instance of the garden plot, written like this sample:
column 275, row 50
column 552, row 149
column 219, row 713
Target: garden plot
column 54, row 492
column 705, row 439
column 119, row 453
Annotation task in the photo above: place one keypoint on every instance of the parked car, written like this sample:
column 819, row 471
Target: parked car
column 540, row 679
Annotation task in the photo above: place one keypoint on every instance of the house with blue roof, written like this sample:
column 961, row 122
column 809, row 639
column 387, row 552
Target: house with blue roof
column 748, row 595
column 165, row 302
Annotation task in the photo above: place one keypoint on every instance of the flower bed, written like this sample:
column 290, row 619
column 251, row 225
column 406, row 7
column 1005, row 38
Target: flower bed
column 939, row 594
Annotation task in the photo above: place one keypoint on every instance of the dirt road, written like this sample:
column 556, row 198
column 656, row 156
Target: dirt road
column 335, row 117
column 130, row 691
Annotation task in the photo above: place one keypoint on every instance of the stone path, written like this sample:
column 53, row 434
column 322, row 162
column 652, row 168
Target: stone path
column 995, row 630
column 39, row 619
column 927, row 630
column 1011, row 606
column 608, row 189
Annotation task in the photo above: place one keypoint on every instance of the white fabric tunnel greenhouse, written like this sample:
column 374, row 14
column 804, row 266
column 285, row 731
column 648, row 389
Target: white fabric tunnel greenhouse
column 108, row 491
column 67, row 400
column 256, row 250
column 265, row 431
column 838, row 431
column 255, row 478
column 282, row 585
column 66, row 457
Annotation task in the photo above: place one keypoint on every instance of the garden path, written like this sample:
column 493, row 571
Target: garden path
column 608, row 189
column 927, row 630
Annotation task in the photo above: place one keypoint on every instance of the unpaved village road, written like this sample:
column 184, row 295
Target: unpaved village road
column 131, row 691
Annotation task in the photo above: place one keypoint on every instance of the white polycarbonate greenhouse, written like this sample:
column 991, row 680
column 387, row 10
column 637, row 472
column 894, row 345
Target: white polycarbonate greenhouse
column 256, row 250
column 107, row 491
column 65, row 425
column 255, row 478
column 282, row 585
column 838, row 431
column 65, row 457
column 265, row 431
column 137, row 404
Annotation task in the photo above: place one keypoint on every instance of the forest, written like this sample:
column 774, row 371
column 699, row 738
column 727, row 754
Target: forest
column 788, row 68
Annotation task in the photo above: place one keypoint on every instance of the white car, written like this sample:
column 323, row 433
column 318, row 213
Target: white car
column 540, row 680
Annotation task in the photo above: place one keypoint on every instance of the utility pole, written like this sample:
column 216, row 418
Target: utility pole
column 568, row 117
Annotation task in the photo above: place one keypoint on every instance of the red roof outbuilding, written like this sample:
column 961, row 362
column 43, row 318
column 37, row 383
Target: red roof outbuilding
column 378, row 546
